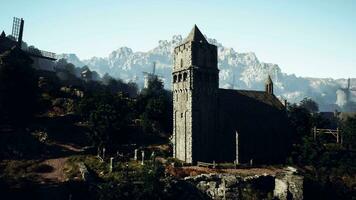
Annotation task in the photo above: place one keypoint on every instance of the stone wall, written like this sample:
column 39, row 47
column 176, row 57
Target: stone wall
column 195, row 87
column 283, row 186
column 288, row 185
column 182, row 103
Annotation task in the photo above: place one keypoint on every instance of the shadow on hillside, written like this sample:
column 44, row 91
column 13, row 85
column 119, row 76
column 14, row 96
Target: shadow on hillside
column 64, row 130
column 63, row 138
column 55, row 191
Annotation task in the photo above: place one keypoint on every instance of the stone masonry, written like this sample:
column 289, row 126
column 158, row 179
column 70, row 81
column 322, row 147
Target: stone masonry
column 206, row 119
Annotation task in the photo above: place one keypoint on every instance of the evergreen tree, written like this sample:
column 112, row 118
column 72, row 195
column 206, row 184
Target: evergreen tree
column 18, row 87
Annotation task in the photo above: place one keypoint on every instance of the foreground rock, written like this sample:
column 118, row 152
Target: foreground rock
column 284, row 185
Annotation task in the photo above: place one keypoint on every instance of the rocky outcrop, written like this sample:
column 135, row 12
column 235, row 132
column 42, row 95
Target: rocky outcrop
column 288, row 185
column 285, row 185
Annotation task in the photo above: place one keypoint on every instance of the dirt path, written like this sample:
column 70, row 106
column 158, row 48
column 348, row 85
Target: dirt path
column 57, row 174
column 70, row 147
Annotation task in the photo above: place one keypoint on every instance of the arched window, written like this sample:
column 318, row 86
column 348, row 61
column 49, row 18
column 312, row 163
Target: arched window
column 185, row 75
column 174, row 78
column 179, row 77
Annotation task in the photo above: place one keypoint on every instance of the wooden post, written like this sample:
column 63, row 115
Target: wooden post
column 111, row 162
column 237, row 148
column 135, row 156
column 127, row 171
column 143, row 157
column 337, row 136
column 314, row 132
column 153, row 155
column 214, row 164
column 103, row 153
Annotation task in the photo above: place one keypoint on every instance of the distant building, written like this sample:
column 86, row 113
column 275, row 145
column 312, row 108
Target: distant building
column 146, row 79
column 87, row 75
column 222, row 125
column 150, row 76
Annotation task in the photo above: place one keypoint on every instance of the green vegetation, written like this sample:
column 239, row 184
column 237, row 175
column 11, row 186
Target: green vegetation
column 330, row 168
column 19, row 171
column 348, row 128
column 65, row 110
column 155, row 108
column 109, row 118
column 309, row 104
column 115, row 118
column 129, row 180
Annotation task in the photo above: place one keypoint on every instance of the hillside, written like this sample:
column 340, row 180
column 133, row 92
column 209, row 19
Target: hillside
column 238, row 70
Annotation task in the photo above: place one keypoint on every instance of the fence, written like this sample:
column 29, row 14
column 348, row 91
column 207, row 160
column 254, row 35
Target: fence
column 334, row 132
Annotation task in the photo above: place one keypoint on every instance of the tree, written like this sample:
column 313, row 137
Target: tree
column 105, row 123
column 106, row 78
column 18, row 87
column 62, row 64
column 109, row 117
column 300, row 120
column 155, row 108
column 349, row 132
column 309, row 104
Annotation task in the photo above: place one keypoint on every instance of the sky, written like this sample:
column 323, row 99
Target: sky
column 308, row 38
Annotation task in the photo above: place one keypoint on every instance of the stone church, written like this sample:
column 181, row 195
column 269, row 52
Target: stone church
column 222, row 125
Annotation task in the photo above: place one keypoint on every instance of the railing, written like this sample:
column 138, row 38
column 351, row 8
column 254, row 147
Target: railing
column 205, row 164
column 41, row 53
column 334, row 132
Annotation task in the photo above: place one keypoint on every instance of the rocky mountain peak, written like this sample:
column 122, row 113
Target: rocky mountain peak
column 238, row 70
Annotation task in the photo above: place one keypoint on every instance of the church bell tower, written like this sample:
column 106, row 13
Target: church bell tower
column 269, row 85
column 195, row 90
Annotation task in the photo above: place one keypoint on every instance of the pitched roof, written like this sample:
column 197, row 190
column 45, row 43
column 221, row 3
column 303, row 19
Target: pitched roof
column 15, row 54
column 3, row 34
column 260, row 96
column 195, row 35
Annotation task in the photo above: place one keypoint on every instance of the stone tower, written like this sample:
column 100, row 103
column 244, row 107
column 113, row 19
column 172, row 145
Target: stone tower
column 195, row 91
column 269, row 85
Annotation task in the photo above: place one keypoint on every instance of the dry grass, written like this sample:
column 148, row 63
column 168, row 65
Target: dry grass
column 181, row 172
column 16, row 172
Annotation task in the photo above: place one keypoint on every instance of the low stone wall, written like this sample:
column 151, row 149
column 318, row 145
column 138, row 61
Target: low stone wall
column 288, row 185
column 285, row 185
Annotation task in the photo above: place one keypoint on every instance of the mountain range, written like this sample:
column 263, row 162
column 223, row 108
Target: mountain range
column 238, row 70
